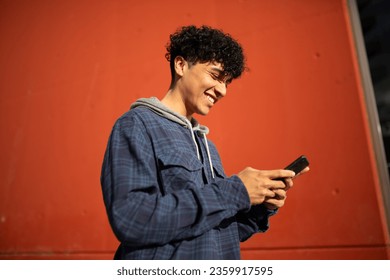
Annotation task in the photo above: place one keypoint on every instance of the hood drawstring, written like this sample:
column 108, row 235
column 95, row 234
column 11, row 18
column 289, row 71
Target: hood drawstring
column 202, row 130
column 194, row 140
column 209, row 156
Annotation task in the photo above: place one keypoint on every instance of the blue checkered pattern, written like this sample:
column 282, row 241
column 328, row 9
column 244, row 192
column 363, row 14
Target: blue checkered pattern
column 162, row 201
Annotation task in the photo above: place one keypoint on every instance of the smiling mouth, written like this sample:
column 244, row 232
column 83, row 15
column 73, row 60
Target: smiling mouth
column 211, row 99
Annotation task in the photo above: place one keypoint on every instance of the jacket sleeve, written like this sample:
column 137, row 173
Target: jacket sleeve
column 249, row 221
column 139, row 213
column 253, row 221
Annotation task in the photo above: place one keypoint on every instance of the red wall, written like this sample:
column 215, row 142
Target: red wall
column 69, row 69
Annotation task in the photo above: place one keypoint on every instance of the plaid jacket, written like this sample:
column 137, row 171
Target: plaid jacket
column 162, row 201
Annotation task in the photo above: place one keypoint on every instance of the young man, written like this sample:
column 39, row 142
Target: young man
column 164, row 187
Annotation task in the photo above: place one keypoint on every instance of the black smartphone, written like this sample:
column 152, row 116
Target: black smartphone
column 298, row 165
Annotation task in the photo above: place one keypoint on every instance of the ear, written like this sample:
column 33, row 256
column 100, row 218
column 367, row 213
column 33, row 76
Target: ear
column 180, row 65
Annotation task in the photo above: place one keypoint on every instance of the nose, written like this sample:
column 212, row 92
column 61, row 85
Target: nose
column 221, row 88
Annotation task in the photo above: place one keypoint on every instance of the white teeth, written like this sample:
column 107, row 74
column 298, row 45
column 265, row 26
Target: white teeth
column 210, row 99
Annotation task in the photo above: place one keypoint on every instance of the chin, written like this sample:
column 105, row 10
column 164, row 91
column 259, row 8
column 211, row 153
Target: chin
column 203, row 112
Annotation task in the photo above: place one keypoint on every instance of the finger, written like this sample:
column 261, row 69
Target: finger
column 302, row 172
column 270, row 193
column 289, row 183
column 277, row 184
column 280, row 194
column 274, row 203
column 280, row 173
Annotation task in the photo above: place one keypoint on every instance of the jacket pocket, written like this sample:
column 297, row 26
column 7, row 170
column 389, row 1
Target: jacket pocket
column 179, row 170
column 218, row 170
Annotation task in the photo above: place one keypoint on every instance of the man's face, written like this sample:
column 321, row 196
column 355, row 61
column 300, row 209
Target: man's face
column 201, row 86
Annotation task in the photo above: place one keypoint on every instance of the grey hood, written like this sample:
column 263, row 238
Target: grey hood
column 159, row 108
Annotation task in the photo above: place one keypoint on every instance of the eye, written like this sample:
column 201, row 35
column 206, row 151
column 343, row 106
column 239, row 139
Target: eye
column 221, row 77
column 215, row 76
column 218, row 77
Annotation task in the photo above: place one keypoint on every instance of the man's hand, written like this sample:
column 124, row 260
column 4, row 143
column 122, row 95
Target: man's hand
column 277, row 201
column 267, row 185
column 281, row 194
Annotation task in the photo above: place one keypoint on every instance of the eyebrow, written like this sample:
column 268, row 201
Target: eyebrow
column 219, row 70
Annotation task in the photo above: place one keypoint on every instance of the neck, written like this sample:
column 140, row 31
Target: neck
column 175, row 102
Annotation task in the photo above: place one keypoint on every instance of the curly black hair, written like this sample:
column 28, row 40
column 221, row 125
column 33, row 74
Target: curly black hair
column 206, row 44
